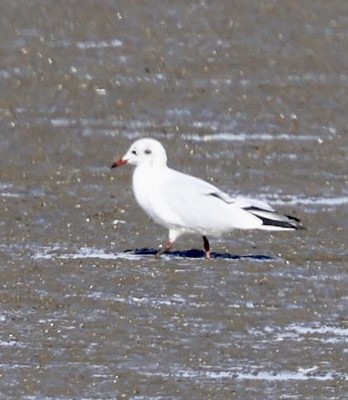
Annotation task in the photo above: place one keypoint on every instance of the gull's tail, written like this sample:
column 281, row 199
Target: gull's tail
column 272, row 221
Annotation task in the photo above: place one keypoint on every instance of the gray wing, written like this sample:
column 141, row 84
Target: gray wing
column 193, row 202
column 196, row 205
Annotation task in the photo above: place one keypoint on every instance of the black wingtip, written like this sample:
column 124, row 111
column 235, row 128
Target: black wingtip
column 300, row 228
column 293, row 218
column 298, row 225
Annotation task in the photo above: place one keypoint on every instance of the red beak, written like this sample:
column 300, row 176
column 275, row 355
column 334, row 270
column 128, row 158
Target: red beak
column 119, row 163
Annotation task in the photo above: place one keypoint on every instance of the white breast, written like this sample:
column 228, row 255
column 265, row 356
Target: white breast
column 146, row 184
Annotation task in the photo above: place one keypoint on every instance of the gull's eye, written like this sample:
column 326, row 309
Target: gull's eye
column 147, row 151
column 134, row 152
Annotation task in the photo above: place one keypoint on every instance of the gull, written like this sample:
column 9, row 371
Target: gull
column 185, row 204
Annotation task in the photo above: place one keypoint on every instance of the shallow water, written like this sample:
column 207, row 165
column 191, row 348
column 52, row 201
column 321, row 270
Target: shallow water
column 249, row 95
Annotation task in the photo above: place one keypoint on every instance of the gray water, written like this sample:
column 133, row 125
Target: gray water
column 250, row 95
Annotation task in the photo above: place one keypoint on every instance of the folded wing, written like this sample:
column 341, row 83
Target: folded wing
column 195, row 205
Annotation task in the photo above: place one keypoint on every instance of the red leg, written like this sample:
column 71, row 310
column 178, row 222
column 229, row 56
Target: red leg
column 168, row 246
column 206, row 246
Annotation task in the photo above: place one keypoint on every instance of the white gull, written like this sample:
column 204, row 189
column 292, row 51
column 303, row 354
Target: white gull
column 185, row 204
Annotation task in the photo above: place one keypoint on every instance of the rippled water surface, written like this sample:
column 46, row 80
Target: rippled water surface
column 250, row 95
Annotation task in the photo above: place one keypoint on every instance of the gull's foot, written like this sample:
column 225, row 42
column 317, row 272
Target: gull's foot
column 164, row 249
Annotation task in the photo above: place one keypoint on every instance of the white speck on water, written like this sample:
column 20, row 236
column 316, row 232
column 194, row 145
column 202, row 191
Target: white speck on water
column 100, row 91
column 118, row 221
column 102, row 44
column 281, row 376
column 243, row 137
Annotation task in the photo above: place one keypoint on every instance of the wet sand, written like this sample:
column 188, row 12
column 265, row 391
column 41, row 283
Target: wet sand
column 251, row 96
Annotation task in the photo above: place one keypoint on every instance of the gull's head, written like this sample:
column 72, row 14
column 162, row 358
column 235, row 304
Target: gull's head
column 144, row 152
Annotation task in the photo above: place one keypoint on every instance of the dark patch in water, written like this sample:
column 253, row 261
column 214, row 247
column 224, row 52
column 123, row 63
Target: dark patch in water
column 195, row 253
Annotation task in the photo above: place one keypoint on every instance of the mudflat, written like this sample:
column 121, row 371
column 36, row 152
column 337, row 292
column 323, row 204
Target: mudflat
column 251, row 96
